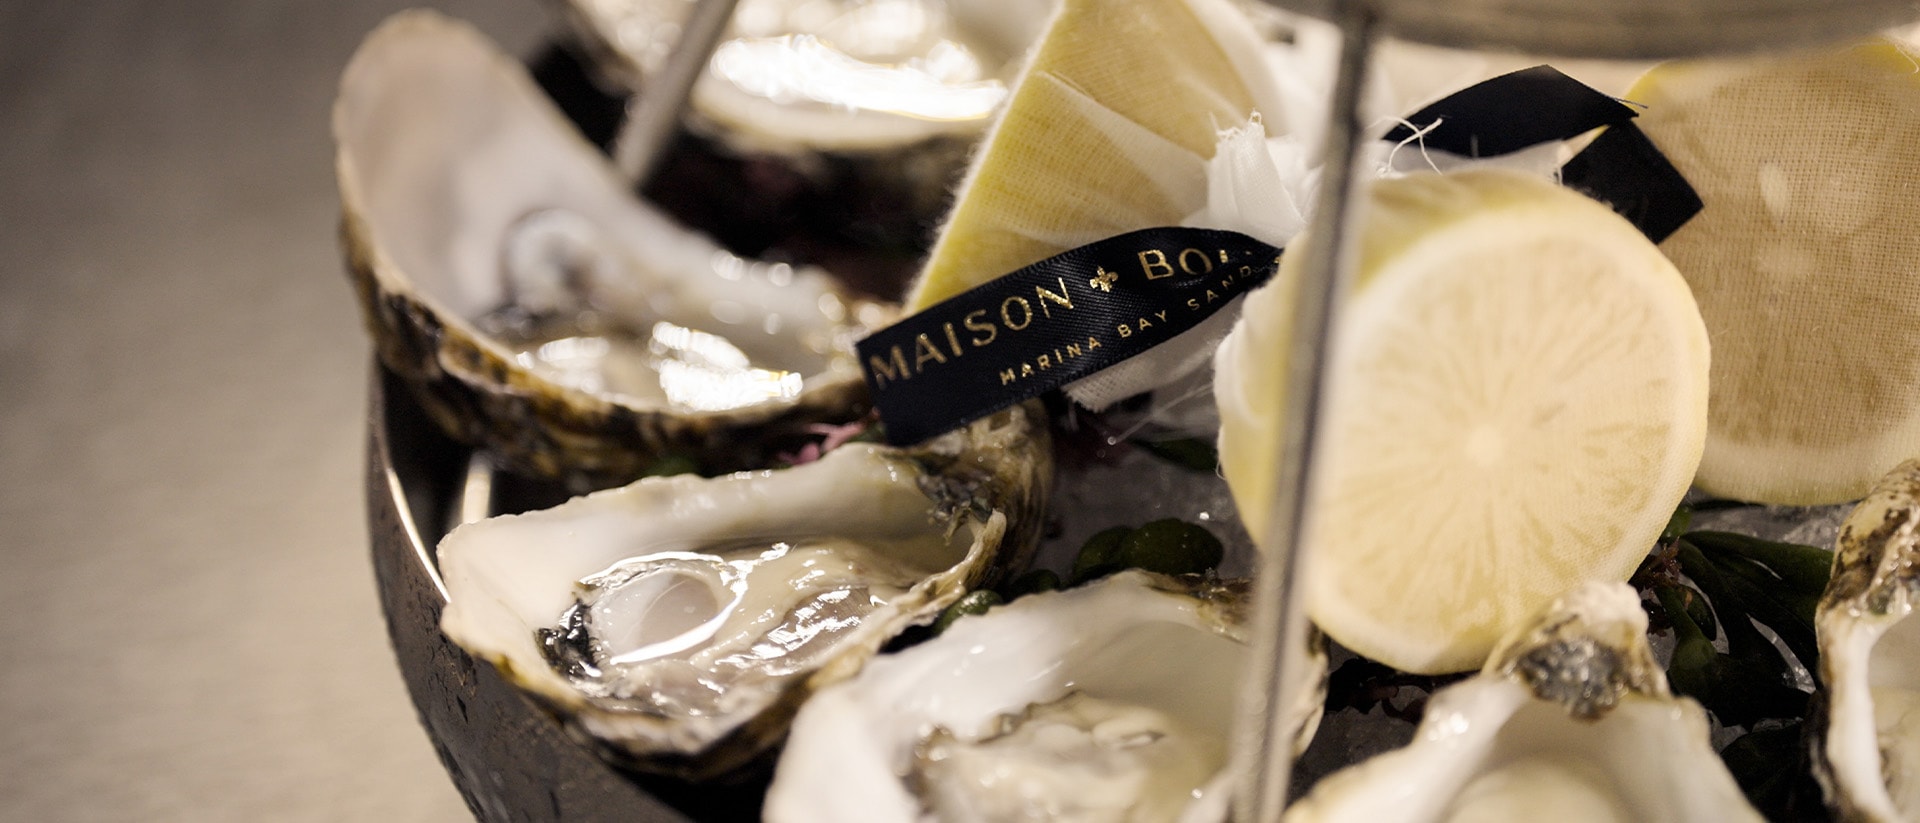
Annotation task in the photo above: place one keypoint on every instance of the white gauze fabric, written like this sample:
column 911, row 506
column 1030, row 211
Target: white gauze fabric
column 1247, row 192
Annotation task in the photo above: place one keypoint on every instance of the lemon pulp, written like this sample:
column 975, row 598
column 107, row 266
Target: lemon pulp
column 1517, row 401
column 1805, row 262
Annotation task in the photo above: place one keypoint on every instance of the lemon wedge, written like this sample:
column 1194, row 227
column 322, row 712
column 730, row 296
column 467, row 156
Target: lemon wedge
column 1805, row 262
column 1517, row 402
column 1108, row 130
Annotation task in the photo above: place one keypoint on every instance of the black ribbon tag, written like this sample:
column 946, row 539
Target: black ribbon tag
column 1622, row 169
column 1525, row 108
column 1053, row 322
column 1514, row 111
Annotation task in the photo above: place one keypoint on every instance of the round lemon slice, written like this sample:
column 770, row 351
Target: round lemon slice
column 1108, row 130
column 1805, row 262
column 1517, row 402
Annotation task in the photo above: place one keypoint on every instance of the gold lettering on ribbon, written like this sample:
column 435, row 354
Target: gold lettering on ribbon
column 1159, row 262
column 1026, row 313
column 923, row 350
column 978, row 326
column 952, row 339
column 1046, row 297
column 894, row 368
column 1206, row 265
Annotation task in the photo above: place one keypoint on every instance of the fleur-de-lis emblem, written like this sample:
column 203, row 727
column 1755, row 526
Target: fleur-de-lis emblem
column 1102, row 279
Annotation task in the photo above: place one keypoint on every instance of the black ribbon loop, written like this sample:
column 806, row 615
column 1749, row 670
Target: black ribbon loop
column 1526, row 108
column 1514, row 111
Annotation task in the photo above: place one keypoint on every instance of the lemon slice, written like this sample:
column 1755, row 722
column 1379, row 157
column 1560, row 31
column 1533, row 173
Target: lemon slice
column 1108, row 130
column 1805, row 261
column 1517, row 402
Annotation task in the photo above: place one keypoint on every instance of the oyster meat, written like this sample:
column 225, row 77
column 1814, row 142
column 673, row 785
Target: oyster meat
column 1867, row 751
column 1570, row 720
column 679, row 622
column 539, row 309
column 1112, row 701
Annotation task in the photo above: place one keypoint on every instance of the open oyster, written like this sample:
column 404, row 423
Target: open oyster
column 539, row 309
column 1570, row 720
column 1867, row 754
column 680, row 621
column 832, row 75
column 1112, row 701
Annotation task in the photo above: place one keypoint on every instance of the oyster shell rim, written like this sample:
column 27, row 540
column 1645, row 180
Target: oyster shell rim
column 1600, row 629
column 1204, row 603
column 617, row 71
column 471, row 388
column 1875, row 584
column 994, row 476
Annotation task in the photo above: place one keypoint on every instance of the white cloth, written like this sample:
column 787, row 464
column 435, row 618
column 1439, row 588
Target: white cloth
column 1257, row 186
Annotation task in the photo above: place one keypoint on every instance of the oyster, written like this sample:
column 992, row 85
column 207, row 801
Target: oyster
column 1570, row 720
column 679, row 622
column 837, row 127
column 1867, row 754
column 828, row 75
column 536, row 307
column 1112, row 701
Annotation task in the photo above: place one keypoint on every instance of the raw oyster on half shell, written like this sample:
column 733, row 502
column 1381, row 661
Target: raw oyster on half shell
column 795, row 76
column 1867, row 747
column 1570, row 720
column 679, row 622
column 538, row 308
column 839, row 124
column 1111, row 701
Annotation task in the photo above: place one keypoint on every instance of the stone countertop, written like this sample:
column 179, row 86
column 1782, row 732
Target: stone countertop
column 187, row 609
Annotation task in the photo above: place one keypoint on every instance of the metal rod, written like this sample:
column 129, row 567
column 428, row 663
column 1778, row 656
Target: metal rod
column 476, row 492
column 1263, row 751
column 655, row 112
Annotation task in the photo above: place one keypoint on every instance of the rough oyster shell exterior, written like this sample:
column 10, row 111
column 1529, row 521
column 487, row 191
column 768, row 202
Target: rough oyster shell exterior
column 422, row 71
column 1868, row 766
column 1571, row 711
column 509, row 579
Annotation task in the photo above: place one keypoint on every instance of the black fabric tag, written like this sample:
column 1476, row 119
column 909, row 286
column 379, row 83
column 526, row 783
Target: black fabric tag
column 1511, row 112
column 1053, row 322
column 1622, row 169
column 1521, row 109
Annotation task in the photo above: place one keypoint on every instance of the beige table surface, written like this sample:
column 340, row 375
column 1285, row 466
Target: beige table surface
column 188, row 623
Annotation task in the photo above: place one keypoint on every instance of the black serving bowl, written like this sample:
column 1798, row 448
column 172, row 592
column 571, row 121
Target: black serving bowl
column 510, row 759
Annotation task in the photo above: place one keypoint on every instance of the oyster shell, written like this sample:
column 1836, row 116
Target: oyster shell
column 679, row 622
column 536, row 307
column 828, row 75
column 1867, row 751
column 1570, row 719
column 840, row 123
column 1110, row 701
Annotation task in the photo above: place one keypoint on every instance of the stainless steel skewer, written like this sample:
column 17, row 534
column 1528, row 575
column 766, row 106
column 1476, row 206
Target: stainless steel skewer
column 1263, row 752
column 651, row 118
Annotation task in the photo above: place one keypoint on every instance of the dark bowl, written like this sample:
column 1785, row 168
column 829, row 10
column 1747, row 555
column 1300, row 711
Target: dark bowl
column 510, row 759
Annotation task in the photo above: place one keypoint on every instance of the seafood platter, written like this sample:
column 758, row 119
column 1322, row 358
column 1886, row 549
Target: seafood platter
column 909, row 441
